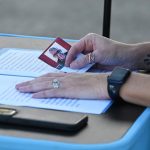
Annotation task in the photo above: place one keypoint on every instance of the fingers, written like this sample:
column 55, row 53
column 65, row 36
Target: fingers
column 46, row 77
column 66, row 93
column 84, row 44
column 80, row 62
column 71, row 86
column 74, row 51
column 40, row 79
column 50, row 93
column 84, row 60
column 35, row 87
column 55, row 93
column 46, row 90
column 40, row 83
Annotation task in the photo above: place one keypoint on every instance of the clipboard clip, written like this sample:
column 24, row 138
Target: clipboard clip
column 7, row 112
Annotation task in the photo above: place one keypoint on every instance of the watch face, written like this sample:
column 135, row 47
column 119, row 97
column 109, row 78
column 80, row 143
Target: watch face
column 119, row 75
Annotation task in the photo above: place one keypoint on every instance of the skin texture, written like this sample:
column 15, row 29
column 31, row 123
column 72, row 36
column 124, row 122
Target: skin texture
column 71, row 86
column 108, row 54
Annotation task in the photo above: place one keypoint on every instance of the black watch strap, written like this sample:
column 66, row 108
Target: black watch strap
column 113, row 91
column 115, row 81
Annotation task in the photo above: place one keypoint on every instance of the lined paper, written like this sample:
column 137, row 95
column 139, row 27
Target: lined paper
column 18, row 65
column 10, row 96
column 26, row 63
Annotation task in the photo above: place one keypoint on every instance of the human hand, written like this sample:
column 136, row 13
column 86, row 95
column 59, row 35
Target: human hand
column 72, row 85
column 107, row 53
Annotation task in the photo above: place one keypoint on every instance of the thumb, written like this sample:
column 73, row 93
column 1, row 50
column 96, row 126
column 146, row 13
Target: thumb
column 76, row 49
column 79, row 62
column 83, row 60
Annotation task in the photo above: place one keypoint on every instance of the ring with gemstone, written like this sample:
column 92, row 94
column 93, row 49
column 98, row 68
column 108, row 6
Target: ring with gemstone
column 56, row 83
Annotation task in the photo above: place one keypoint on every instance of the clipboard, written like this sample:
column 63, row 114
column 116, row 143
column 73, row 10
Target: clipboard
column 42, row 118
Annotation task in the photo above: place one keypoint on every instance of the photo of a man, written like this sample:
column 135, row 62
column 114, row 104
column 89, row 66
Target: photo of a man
column 55, row 54
column 58, row 56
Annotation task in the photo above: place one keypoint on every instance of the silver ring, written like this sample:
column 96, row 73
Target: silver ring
column 91, row 58
column 56, row 83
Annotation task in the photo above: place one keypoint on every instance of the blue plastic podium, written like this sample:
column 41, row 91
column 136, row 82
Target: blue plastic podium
column 115, row 130
column 136, row 138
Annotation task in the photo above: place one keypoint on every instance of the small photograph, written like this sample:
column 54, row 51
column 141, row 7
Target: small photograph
column 58, row 56
column 55, row 54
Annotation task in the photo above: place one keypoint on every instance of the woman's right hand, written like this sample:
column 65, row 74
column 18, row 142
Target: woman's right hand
column 107, row 53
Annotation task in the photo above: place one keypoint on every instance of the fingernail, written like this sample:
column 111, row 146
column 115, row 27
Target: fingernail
column 73, row 65
column 67, row 65
column 18, row 87
column 35, row 96
column 21, row 89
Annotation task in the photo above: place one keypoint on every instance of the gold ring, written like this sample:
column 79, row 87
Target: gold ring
column 91, row 58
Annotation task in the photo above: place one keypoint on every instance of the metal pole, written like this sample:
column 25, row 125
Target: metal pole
column 106, row 18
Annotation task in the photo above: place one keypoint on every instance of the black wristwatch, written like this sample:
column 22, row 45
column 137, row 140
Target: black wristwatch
column 115, row 81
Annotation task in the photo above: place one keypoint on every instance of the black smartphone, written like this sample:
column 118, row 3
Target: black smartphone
column 57, row 120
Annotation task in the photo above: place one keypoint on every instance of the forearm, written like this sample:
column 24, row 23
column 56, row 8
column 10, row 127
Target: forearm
column 142, row 58
column 137, row 89
column 134, row 56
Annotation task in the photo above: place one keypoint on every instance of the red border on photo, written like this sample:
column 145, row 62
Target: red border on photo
column 49, row 61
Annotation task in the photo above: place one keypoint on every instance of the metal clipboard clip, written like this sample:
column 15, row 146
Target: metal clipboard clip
column 7, row 112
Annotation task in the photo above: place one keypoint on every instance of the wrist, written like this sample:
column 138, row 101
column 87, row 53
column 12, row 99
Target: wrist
column 142, row 52
column 116, row 80
column 130, row 90
column 103, row 92
column 125, row 91
column 136, row 89
column 126, row 54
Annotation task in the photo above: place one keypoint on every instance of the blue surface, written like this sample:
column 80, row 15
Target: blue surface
column 137, row 137
column 34, row 37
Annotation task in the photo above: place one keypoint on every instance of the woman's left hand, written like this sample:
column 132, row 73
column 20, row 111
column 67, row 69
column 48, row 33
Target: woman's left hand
column 71, row 85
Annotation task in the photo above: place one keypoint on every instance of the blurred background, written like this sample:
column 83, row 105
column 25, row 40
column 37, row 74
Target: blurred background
column 74, row 18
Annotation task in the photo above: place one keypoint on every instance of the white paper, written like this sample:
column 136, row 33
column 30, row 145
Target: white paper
column 10, row 96
column 26, row 63
column 18, row 65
